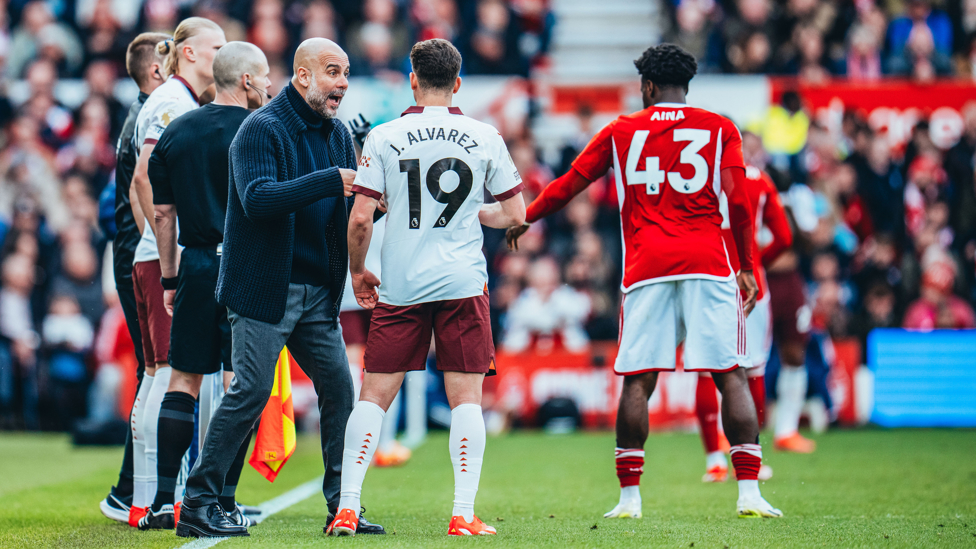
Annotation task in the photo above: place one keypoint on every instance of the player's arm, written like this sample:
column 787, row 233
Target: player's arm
column 254, row 161
column 141, row 185
column 589, row 166
column 504, row 213
column 137, row 214
column 743, row 231
column 774, row 217
column 360, row 232
column 164, row 215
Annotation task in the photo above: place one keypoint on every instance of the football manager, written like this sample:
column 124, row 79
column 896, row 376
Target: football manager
column 282, row 271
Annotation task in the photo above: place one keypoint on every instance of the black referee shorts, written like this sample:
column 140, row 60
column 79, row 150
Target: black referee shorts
column 200, row 337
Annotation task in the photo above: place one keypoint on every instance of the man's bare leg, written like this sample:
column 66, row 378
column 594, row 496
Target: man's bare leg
column 742, row 429
column 632, row 429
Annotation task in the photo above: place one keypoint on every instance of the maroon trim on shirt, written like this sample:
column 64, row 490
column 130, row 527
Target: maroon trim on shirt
column 149, row 141
column 416, row 109
column 375, row 195
column 509, row 193
column 188, row 87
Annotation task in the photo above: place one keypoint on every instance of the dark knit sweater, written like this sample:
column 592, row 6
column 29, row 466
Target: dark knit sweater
column 266, row 188
column 311, row 249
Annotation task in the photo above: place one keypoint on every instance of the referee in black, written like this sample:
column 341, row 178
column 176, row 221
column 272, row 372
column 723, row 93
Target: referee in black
column 188, row 171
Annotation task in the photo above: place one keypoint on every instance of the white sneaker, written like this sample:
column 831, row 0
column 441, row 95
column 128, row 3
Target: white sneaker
column 626, row 509
column 757, row 508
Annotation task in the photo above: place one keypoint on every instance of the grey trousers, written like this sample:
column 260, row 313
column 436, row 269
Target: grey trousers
column 316, row 343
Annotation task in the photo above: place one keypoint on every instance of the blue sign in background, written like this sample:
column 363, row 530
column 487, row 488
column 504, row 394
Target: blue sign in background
column 923, row 379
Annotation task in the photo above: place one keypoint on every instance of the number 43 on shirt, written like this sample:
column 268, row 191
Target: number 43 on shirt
column 653, row 176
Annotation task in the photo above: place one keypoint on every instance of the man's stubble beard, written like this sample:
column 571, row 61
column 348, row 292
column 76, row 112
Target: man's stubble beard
column 317, row 100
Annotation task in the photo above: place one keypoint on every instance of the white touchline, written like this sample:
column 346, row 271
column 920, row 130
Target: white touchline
column 268, row 508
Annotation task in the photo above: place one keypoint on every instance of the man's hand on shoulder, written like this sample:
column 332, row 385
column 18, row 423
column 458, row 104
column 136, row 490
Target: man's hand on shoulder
column 348, row 178
column 512, row 235
column 364, row 288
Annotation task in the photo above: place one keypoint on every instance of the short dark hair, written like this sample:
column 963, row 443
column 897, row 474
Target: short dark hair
column 141, row 53
column 437, row 63
column 667, row 65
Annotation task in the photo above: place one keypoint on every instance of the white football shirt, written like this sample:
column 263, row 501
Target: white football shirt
column 164, row 105
column 433, row 166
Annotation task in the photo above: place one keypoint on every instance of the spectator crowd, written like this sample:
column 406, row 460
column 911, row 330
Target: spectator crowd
column 886, row 233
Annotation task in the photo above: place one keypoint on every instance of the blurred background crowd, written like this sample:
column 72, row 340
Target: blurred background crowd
column 886, row 232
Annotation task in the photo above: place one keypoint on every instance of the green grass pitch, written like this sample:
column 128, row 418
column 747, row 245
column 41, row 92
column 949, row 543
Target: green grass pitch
column 870, row 488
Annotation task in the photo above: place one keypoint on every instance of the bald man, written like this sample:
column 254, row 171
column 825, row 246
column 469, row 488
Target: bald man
column 282, row 272
column 188, row 171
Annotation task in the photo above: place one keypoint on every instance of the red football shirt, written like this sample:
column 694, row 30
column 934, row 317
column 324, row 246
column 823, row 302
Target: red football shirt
column 768, row 209
column 667, row 161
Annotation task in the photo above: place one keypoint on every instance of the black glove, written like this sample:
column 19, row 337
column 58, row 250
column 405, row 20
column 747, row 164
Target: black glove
column 360, row 129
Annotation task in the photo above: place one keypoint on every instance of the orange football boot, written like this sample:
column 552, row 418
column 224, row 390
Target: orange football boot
column 717, row 473
column 795, row 443
column 344, row 524
column 136, row 514
column 397, row 455
column 176, row 513
column 461, row 527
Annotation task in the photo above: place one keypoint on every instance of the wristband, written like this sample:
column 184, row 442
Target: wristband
column 168, row 283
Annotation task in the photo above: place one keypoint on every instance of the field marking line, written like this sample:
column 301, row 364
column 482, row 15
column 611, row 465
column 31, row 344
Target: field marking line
column 268, row 508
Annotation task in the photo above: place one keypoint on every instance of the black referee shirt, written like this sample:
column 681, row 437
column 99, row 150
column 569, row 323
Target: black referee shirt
column 189, row 168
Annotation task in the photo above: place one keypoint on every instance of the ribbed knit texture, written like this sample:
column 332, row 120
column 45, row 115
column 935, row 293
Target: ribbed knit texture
column 267, row 188
column 311, row 251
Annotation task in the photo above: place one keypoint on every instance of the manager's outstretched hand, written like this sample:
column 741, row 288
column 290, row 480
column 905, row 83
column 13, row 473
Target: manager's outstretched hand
column 348, row 178
column 512, row 235
column 364, row 288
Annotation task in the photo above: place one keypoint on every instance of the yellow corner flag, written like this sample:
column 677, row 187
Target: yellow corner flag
column 275, row 441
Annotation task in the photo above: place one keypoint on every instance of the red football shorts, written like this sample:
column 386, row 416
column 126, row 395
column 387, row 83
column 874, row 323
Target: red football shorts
column 399, row 336
column 154, row 321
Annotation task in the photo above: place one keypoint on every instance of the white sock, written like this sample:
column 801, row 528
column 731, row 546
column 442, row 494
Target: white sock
column 792, row 390
column 390, row 423
column 715, row 458
column 749, row 489
column 150, row 422
column 630, row 493
column 362, row 437
column 139, row 488
column 467, row 444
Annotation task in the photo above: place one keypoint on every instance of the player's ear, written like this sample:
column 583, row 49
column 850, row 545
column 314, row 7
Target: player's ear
column 457, row 84
column 414, row 83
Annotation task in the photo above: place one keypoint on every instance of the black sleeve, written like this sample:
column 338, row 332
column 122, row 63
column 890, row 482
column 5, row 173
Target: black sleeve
column 159, row 172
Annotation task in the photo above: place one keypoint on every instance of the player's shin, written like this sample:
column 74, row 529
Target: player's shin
column 362, row 436
column 707, row 410
column 757, row 387
column 175, row 436
column 139, row 488
column 151, row 427
column 467, row 445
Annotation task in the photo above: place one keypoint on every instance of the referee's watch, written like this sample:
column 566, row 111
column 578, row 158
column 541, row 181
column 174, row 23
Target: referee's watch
column 168, row 283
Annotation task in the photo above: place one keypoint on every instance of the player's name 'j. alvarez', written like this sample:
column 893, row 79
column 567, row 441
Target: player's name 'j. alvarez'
column 462, row 140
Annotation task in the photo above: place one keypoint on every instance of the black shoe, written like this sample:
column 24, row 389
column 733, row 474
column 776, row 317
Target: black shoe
column 116, row 508
column 249, row 510
column 364, row 526
column 164, row 519
column 238, row 517
column 206, row 521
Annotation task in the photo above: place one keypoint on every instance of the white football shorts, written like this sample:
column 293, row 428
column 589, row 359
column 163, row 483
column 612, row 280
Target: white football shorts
column 705, row 314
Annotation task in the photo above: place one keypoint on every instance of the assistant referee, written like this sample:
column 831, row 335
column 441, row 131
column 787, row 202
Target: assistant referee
column 188, row 171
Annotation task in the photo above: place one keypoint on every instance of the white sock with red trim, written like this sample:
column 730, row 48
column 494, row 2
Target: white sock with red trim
column 362, row 436
column 150, row 427
column 467, row 444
